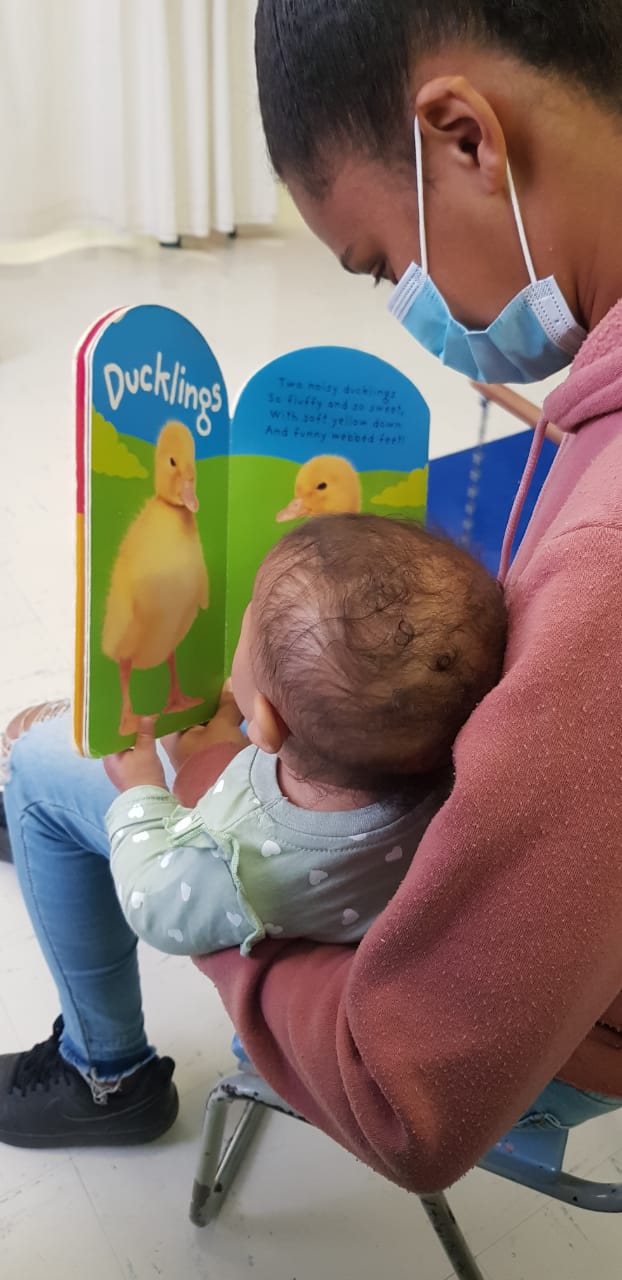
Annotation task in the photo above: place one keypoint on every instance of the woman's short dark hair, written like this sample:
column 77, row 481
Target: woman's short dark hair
column 336, row 72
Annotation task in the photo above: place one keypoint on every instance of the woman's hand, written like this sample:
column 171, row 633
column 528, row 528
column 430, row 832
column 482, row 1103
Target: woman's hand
column 140, row 766
column 223, row 727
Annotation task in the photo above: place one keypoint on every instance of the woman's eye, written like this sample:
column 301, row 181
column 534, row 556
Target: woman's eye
column 379, row 273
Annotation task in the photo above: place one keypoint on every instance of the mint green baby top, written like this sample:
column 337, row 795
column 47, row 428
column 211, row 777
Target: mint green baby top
column 246, row 864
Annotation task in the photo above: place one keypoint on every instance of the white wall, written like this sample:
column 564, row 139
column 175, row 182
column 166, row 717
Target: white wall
column 287, row 217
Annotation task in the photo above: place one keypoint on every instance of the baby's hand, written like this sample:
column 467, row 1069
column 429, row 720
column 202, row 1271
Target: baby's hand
column 224, row 727
column 140, row 766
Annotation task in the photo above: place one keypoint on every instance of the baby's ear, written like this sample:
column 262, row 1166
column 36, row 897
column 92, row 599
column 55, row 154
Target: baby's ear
column 266, row 728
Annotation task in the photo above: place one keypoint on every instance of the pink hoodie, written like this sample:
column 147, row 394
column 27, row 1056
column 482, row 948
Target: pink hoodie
column 498, row 964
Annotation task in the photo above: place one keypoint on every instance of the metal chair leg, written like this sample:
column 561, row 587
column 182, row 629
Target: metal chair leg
column 219, row 1163
column 451, row 1237
column 217, row 1166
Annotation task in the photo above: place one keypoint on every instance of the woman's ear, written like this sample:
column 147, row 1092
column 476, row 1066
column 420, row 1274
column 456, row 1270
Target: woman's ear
column 454, row 115
column 266, row 728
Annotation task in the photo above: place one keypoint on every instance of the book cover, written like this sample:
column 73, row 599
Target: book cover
column 178, row 503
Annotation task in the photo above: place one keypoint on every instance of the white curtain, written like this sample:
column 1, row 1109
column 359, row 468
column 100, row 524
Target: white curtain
column 138, row 115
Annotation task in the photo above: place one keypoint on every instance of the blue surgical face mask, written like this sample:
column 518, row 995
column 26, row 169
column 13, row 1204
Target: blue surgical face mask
column 536, row 335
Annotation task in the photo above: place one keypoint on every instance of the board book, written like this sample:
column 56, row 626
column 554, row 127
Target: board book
column 179, row 501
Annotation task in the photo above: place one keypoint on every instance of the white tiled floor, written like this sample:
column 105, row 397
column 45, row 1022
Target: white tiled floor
column 303, row 1208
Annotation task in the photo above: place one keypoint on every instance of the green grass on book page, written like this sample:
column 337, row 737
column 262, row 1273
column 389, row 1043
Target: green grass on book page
column 259, row 488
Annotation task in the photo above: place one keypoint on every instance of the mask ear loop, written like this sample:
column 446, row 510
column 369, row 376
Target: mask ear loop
column 520, row 226
column 423, row 239
column 423, row 243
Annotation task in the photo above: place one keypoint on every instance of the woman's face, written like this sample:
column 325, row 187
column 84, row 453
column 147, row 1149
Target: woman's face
column 369, row 219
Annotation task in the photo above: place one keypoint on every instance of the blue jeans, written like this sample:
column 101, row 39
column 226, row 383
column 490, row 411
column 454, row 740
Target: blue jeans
column 55, row 804
column 561, row 1106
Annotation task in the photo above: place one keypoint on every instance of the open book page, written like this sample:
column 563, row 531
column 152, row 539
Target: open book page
column 319, row 431
column 151, row 595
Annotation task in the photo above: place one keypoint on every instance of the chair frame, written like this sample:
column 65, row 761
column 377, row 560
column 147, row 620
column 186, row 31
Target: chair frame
column 531, row 1157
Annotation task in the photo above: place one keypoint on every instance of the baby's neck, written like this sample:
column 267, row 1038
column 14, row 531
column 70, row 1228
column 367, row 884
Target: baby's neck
column 318, row 797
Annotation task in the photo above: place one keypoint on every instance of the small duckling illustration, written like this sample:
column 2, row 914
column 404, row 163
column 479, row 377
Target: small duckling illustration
column 324, row 486
column 159, row 580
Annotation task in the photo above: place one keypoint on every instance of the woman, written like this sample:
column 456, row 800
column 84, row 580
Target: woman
column 486, row 140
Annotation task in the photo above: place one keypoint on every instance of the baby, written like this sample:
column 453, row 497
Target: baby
column 366, row 647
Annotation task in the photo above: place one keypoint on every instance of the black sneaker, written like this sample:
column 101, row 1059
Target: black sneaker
column 46, row 1103
column 5, row 844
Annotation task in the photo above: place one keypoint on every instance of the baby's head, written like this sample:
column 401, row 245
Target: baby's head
column 366, row 647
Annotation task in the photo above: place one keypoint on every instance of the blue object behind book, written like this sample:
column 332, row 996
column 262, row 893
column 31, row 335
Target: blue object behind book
column 501, row 467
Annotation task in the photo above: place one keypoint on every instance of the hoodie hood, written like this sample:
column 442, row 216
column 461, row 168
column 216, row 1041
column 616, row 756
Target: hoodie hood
column 593, row 387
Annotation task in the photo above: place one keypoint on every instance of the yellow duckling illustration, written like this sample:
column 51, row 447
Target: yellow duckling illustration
column 159, row 580
column 325, row 486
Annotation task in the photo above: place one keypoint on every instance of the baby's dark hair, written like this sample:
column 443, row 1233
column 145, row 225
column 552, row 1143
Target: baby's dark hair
column 375, row 640
column 334, row 74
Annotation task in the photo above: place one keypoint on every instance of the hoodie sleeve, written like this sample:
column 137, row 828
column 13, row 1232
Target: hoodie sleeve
column 502, row 946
